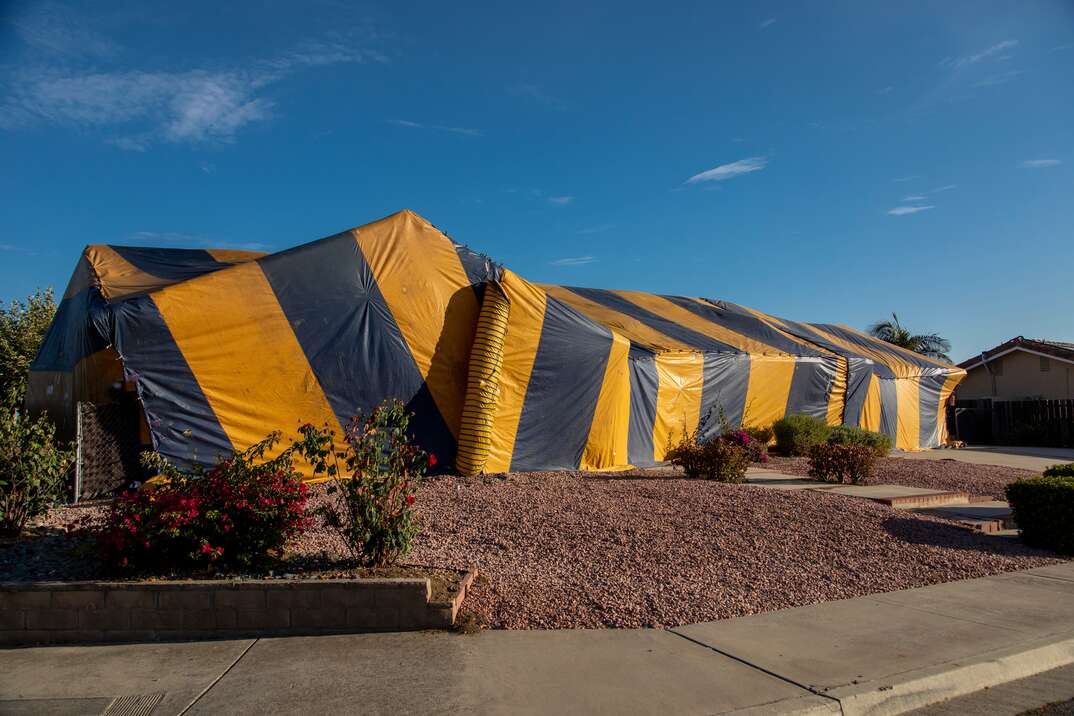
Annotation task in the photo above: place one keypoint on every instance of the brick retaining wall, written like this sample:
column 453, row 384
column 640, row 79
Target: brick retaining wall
column 79, row 612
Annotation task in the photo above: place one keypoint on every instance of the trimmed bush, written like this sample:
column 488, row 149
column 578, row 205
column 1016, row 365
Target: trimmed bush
column 1065, row 470
column 1043, row 507
column 841, row 463
column 796, row 434
column 849, row 435
column 756, row 450
column 717, row 459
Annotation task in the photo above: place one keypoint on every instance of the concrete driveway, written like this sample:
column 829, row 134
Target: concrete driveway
column 1025, row 458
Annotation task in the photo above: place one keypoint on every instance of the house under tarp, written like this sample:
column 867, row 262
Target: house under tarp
column 218, row 348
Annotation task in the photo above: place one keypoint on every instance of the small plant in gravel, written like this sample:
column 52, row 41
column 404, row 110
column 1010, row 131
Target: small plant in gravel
column 756, row 450
column 841, row 464
column 715, row 459
column 233, row 514
column 374, row 480
column 796, row 434
column 849, row 435
column 1043, row 508
column 33, row 467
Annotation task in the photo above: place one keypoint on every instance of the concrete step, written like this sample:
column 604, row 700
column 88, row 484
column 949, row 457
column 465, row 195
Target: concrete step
column 984, row 515
column 900, row 497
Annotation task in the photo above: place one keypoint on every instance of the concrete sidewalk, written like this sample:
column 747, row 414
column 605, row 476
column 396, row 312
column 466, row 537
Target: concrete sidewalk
column 886, row 653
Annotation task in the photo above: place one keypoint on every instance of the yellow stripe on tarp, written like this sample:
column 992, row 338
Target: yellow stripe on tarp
column 687, row 319
column 606, row 448
column 118, row 277
column 901, row 368
column 680, row 378
column 262, row 381
column 768, row 389
column 426, row 288
column 870, row 409
column 524, row 324
column 948, row 387
column 908, row 413
column 630, row 327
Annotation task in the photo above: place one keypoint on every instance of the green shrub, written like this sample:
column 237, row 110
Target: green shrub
column 1043, row 507
column 33, row 468
column 849, row 435
column 761, row 435
column 796, row 434
column 23, row 325
column 715, row 459
column 841, row 463
column 373, row 489
column 1065, row 470
column 236, row 513
column 756, row 451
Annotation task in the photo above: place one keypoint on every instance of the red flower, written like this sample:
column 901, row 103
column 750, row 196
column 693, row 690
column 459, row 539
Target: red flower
column 206, row 549
column 410, row 499
column 432, row 459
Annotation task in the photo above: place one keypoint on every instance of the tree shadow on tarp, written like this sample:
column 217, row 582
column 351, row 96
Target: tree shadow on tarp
column 932, row 533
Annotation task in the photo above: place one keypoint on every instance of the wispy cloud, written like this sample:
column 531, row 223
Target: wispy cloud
column 145, row 108
column 56, row 29
column 999, row 48
column 1039, row 163
column 207, row 167
column 1001, row 78
column 946, row 187
column 885, row 90
column 903, row 210
column 466, row 131
column 730, row 171
column 915, row 197
column 573, row 261
column 560, row 200
column 534, row 93
column 766, row 23
column 595, row 229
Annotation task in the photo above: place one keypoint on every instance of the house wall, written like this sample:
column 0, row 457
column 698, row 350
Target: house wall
column 1022, row 378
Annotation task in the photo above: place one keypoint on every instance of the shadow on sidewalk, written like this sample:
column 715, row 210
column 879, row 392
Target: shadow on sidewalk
column 916, row 530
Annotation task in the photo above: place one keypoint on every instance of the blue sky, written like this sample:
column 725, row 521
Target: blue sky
column 829, row 162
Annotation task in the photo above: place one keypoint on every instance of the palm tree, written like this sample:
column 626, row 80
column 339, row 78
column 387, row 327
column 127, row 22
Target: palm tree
column 929, row 344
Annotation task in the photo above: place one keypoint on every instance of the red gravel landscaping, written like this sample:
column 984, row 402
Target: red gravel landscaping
column 571, row 550
column 943, row 474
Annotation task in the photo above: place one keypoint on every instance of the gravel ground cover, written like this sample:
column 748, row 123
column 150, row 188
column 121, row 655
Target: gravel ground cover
column 943, row 474
column 646, row 548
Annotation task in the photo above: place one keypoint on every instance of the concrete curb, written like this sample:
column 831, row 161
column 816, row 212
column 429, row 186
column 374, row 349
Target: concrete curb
column 923, row 687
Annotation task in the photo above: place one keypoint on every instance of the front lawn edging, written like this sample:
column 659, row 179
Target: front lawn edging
column 86, row 612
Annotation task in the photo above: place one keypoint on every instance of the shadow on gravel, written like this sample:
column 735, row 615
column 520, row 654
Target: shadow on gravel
column 939, row 534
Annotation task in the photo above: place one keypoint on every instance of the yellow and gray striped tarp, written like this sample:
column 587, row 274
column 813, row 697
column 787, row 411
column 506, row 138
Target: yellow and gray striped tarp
column 500, row 373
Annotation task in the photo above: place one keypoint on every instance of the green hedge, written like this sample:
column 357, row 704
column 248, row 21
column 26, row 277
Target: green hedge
column 841, row 463
column 1065, row 470
column 1043, row 507
column 848, row 435
column 796, row 434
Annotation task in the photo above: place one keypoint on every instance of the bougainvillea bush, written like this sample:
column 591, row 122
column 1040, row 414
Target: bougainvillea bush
column 756, row 450
column 374, row 478
column 233, row 514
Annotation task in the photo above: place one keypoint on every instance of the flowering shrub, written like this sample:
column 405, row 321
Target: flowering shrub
column 715, row 459
column 842, row 463
column 756, row 450
column 233, row 514
column 761, row 435
column 375, row 477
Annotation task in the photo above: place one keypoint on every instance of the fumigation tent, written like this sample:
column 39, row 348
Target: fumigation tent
column 219, row 348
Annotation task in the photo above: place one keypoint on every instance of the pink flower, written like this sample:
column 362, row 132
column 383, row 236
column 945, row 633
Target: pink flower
column 206, row 549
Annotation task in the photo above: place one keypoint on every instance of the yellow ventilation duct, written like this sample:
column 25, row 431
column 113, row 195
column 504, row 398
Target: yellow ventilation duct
column 482, row 383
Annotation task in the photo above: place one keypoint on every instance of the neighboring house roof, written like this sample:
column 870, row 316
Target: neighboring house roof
column 1053, row 349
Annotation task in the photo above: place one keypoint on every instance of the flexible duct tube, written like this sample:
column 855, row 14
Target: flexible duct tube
column 483, row 381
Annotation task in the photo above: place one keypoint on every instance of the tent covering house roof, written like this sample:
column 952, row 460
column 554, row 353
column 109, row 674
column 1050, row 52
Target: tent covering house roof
column 223, row 347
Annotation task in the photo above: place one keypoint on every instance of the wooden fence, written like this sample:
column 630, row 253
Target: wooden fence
column 1013, row 422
